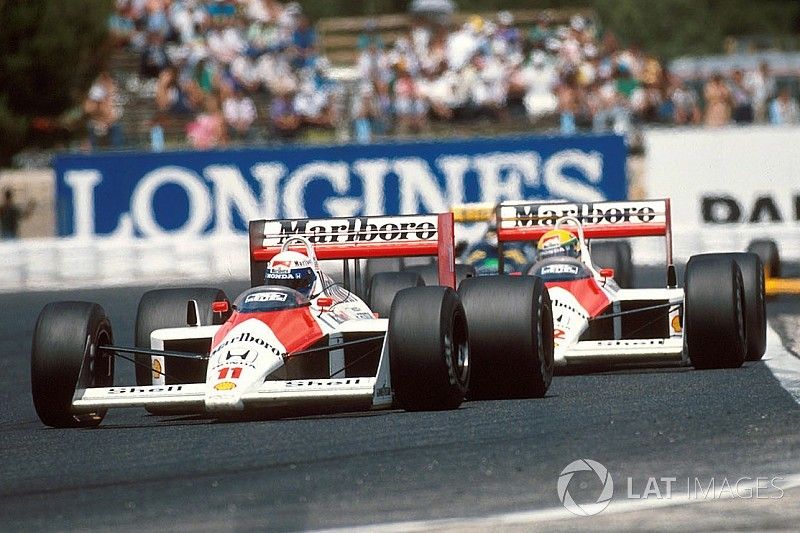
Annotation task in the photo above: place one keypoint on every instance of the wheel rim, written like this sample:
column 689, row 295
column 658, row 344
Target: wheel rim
column 740, row 315
column 459, row 357
column 100, row 370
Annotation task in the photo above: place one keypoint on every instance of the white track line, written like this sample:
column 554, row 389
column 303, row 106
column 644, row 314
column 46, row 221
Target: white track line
column 524, row 518
column 783, row 365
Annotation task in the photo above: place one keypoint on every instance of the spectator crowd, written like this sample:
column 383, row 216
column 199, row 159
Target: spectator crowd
column 251, row 70
column 211, row 60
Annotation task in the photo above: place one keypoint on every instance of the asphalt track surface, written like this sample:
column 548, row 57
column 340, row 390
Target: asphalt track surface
column 484, row 461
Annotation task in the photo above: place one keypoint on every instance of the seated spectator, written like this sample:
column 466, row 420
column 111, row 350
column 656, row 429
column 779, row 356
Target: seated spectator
column 275, row 73
column 104, row 110
column 761, row 83
column 742, row 99
column 225, row 40
column 304, row 43
column 409, row 107
column 490, row 88
column 284, row 120
column 646, row 103
column 153, row 58
column 204, row 76
column 568, row 106
column 171, row 97
column 364, row 111
column 221, row 10
column 438, row 90
column 686, row 109
column 121, row 27
column 609, row 107
column 462, row 44
column 718, row 101
column 157, row 21
column 313, row 104
column 507, row 34
column 207, row 130
column 539, row 80
column 240, row 114
column 245, row 73
column 373, row 62
column 263, row 37
column 783, row 109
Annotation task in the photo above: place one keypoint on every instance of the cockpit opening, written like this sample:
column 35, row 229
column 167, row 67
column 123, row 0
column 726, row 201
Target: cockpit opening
column 266, row 298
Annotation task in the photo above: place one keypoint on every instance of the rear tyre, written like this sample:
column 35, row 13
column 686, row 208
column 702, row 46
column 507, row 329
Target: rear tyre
column 166, row 308
column 616, row 255
column 384, row 286
column 714, row 312
column 430, row 273
column 510, row 323
column 428, row 349
column 755, row 310
column 65, row 355
column 378, row 265
column 767, row 251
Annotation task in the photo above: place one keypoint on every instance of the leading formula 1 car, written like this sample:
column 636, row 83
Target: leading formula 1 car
column 717, row 319
column 277, row 348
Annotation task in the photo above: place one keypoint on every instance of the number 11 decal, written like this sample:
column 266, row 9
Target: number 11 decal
column 235, row 372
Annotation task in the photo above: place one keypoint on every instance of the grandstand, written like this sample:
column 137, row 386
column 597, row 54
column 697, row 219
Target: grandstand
column 339, row 35
column 338, row 40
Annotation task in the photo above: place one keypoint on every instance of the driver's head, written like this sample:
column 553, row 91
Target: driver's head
column 558, row 243
column 293, row 270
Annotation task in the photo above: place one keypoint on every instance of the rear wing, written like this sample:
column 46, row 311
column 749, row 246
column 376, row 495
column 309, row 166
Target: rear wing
column 528, row 221
column 358, row 238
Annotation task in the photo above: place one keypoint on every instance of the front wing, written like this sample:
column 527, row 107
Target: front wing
column 624, row 351
column 310, row 392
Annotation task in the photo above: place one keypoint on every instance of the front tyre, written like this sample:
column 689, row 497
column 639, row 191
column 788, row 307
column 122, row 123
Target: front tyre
column 714, row 314
column 65, row 356
column 755, row 309
column 511, row 336
column 428, row 349
column 767, row 251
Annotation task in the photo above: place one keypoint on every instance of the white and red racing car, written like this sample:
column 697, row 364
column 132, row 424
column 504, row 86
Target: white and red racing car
column 717, row 319
column 276, row 348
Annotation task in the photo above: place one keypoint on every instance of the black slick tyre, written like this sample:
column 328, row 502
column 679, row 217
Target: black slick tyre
column 510, row 321
column 714, row 312
column 65, row 356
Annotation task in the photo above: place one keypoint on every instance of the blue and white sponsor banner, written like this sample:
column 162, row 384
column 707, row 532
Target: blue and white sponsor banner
column 216, row 192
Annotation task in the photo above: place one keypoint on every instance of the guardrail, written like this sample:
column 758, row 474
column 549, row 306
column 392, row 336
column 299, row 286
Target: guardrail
column 77, row 263
column 56, row 264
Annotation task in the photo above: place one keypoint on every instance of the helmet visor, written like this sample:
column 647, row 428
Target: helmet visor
column 299, row 279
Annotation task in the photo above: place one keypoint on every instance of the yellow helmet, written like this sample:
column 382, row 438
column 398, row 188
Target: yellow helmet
column 558, row 242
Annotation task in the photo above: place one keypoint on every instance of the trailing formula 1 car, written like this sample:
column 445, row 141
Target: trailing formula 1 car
column 483, row 253
column 298, row 340
column 716, row 320
column 775, row 284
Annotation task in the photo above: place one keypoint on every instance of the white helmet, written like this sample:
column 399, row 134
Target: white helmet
column 291, row 269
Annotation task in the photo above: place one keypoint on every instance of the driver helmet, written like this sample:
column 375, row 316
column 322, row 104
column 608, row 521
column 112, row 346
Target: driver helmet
column 291, row 269
column 558, row 243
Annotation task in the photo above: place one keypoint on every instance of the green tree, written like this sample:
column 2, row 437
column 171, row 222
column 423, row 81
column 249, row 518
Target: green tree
column 50, row 50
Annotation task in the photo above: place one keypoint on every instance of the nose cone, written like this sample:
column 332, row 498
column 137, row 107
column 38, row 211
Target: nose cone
column 239, row 363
